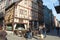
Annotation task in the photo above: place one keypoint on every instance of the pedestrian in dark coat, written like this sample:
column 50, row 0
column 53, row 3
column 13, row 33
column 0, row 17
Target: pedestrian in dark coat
column 28, row 35
column 2, row 34
column 44, row 32
column 57, row 28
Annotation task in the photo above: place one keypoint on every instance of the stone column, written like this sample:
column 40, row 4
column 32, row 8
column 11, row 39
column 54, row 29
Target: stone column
column 14, row 26
column 33, row 25
column 28, row 24
column 25, row 26
column 38, row 24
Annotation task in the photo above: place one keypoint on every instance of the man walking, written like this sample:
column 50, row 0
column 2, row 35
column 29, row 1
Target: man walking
column 57, row 28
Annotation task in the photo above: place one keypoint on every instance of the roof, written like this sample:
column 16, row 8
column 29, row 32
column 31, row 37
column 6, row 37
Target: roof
column 10, row 6
column 13, row 4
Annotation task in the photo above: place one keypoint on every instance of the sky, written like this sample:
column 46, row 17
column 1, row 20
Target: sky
column 50, row 4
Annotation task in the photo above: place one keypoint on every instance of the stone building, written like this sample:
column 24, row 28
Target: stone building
column 48, row 17
column 40, row 12
column 2, row 10
column 23, row 15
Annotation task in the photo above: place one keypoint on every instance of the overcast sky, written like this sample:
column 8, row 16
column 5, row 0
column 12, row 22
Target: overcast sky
column 50, row 4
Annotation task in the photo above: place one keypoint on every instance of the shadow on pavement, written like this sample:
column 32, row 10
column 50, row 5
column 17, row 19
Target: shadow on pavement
column 53, row 33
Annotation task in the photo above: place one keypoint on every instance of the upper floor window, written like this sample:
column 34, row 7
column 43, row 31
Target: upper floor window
column 30, row 3
column 23, row 11
column 25, row 2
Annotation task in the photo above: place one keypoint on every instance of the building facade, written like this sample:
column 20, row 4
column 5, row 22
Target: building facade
column 48, row 18
column 40, row 14
column 51, row 19
column 9, row 2
column 2, row 10
column 56, row 21
column 22, row 14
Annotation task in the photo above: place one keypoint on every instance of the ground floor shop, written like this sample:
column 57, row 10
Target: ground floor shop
column 34, row 25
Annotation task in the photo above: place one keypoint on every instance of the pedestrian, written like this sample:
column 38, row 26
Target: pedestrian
column 44, row 32
column 41, row 32
column 2, row 34
column 28, row 34
column 57, row 28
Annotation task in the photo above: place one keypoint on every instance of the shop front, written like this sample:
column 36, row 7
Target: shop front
column 34, row 25
column 9, row 27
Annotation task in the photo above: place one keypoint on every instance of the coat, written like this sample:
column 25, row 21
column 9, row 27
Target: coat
column 3, row 35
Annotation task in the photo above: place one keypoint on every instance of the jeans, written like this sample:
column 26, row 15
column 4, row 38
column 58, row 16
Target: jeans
column 44, row 33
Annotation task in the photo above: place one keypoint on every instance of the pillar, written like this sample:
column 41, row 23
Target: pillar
column 25, row 26
column 38, row 24
column 14, row 26
column 28, row 25
column 33, row 24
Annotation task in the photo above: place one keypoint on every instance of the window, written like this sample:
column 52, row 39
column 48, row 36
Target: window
column 25, row 2
column 20, row 21
column 25, row 12
column 16, row 20
column 21, row 11
column 9, row 27
column 20, row 27
column 29, row 3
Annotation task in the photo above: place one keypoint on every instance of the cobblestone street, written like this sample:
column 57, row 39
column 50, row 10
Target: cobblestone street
column 13, row 37
column 50, row 36
column 29, row 19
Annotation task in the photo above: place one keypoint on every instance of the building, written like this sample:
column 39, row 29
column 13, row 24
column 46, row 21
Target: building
column 40, row 12
column 22, row 15
column 9, row 2
column 55, row 21
column 2, row 10
column 51, row 19
column 59, row 23
column 48, row 17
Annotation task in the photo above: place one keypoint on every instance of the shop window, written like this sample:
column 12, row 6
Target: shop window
column 35, row 24
column 9, row 27
column 20, row 27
